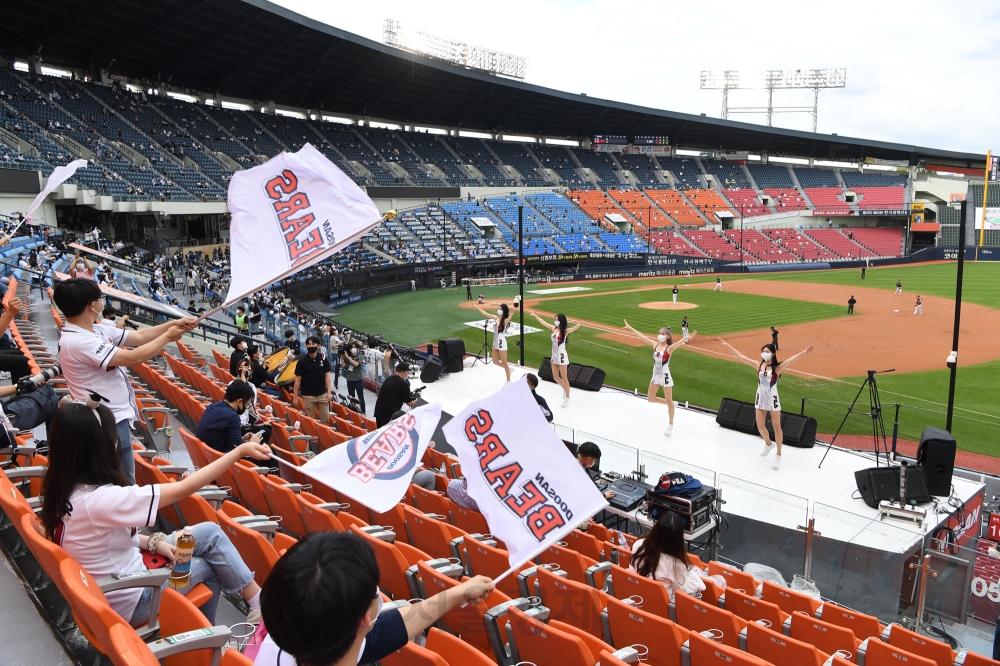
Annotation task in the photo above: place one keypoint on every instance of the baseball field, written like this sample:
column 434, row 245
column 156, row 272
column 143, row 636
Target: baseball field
column 807, row 308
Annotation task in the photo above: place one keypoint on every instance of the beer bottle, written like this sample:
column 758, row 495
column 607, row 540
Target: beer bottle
column 184, row 550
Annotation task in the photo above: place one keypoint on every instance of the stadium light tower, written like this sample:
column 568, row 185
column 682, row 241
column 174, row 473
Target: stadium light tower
column 465, row 55
column 771, row 80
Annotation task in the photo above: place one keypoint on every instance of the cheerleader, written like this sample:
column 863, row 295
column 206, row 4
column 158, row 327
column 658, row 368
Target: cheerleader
column 768, row 372
column 559, row 359
column 500, row 323
column 663, row 347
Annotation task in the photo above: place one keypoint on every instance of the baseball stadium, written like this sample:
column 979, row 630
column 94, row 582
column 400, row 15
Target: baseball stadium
column 311, row 277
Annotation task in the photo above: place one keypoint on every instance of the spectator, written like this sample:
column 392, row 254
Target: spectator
column 349, row 357
column 312, row 381
column 395, row 393
column 292, row 343
column 79, row 267
column 458, row 492
column 249, row 418
column 220, row 426
column 589, row 455
column 93, row 357
column 109, row 315
column 662, row 555
column 533, row 384
column 241, row 321
column 92, row 510
column 239, row 345
column 321, row 605
column 335, row 344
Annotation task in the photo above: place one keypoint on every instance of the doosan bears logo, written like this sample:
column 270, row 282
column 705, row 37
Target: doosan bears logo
column 288, row 202
column 385, row 454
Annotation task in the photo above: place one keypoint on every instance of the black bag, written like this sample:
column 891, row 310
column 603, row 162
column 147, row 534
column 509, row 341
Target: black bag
column 30, row 410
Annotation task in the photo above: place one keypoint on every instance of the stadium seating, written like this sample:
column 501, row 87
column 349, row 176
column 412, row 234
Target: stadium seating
column 642, row 209
column 796, row 242
column 828, row 199
column 684, row 170
column 885, row 242
column 674, row 205
column 517, row 156
column 835, row 241
column 645, row 170
column 474, row 152
column 709, row 202
column 559, row 159
column 771, row 176
column 673, row 242
column 747, row 203
column 597, row 204
column 602, row 164
column 716, row 246
column 729, row 175
column 786, row 199
column 759, row 245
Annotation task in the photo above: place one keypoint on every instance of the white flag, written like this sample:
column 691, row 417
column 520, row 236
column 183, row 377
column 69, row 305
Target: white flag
column 59, row 176
column 289, row 213
column 375, row 469
column 529, row 487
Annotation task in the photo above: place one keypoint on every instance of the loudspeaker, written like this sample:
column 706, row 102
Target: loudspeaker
column 431, row 370
column 882, row 483
column 797, row 430
column 585, row 377
column 545, row 369
column 936, row 457
column 588, row 377
column 452, row 352
column 737, row 415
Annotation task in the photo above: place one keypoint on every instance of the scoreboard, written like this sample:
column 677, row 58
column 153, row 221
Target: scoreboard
column 650, row 141
column 611, row 139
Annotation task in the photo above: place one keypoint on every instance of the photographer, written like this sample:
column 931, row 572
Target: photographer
column 394, row 394
column 350, row 358
column 110, row 318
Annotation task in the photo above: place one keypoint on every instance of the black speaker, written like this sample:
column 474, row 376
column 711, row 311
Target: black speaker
column 737, row 415
column 452, row 352
column 545, row 369
column 588, row 377
column 882, row 483
column 573, row 373
column 936, row 457
column 431, row 370
column 797, row 430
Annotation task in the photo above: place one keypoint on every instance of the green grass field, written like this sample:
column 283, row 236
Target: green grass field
column 411, row 319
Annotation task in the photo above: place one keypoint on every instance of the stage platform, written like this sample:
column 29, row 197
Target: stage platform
column 630, row 432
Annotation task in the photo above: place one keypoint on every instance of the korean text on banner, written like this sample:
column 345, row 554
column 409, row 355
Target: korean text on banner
column 289, row 213
column 527, row 484
column 375, row 469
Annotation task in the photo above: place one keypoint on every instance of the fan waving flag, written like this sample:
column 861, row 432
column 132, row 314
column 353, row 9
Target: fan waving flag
column 58, row 176
column 289, row 213
column 375, row 469
column 529, row 487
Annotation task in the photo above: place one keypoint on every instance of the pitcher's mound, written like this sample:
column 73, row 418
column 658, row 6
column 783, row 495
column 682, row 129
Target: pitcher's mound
column 667, row 305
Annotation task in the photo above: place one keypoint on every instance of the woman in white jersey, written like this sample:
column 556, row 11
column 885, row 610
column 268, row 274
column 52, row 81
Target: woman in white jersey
column 500, row 323
column 559, row 358
column 663, row 347
column 768, row 372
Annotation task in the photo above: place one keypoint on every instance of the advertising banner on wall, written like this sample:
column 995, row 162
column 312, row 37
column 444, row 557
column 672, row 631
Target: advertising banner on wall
column 992, row 217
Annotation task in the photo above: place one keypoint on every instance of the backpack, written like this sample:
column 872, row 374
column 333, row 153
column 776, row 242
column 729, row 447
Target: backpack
column 678, row 484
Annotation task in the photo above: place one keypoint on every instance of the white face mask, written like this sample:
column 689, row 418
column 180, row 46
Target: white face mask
column 661, row 337
column 766, row 355
column 556, row 322
column 499, row 312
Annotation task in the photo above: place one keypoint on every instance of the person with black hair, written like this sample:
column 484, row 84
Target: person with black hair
column 322, row 606
column 500, row 323
column 192, row 308
column 589, row 456
column 110, row 317
column 663, row 347
column 239, row 345
column 350, row 358
column 220, row 427
column 312, row 381
column 241, row 321
column 768, row 372
column 292, row 342
column 661, row 554
column 249, row 418
column 544, row 406
column 395, row 393
column 559, row 360
column 93, row 356
column 850, row 304
column 93, row 511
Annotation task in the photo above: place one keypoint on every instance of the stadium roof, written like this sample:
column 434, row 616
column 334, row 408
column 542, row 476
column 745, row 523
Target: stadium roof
column 256, row 50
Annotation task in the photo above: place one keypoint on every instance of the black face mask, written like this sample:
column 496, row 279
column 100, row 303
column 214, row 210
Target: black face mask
column 312, row 350
column 242, row 409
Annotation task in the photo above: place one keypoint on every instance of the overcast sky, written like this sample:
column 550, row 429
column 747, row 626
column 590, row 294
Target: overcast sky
column 925, row 72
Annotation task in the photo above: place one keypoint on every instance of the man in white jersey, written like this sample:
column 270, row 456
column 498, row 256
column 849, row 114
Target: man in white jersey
column 93, row 356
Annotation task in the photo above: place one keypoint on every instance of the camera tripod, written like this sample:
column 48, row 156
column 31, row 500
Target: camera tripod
column 484, row 351
column 874, row 413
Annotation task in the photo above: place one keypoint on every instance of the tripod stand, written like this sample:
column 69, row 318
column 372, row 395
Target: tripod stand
column 484, row 351
column 874, row 413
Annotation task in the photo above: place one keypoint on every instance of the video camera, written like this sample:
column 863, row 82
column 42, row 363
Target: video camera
column 415, row 395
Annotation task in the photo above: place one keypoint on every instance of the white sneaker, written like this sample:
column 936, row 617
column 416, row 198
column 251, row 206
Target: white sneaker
column 767, row 449
column 670, row 430
column 565, row 402
column 777, row 462
column 506, row 383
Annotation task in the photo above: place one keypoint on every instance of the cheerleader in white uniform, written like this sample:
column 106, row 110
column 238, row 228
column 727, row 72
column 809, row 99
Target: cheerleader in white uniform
column 500, row 323
column 768, row 372
column 559, row 358
column 663, row 347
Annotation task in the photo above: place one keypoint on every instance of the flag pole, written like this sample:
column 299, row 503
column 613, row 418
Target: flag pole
column 986, row 191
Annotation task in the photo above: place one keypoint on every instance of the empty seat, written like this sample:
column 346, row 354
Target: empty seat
column 828, row 638
column 877, row 653
column 901, row 637
column 734, row 577
column 454, row 650
column 775, row 647
column 631, row 626
column 751, row 608
column 650, row 594
column 543, row 644
column 706, row 652
column 863, row 626
column 571, row 602
column 789, row 601
column 697, row 616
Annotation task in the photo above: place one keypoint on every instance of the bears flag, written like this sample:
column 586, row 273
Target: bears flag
column 292, row 211
column 375, row 469
column 529, row 487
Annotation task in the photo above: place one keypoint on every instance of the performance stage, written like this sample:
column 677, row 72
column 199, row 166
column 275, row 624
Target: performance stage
column 858, row 556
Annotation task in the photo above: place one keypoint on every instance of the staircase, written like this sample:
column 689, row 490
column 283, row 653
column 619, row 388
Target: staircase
column 802, row 190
